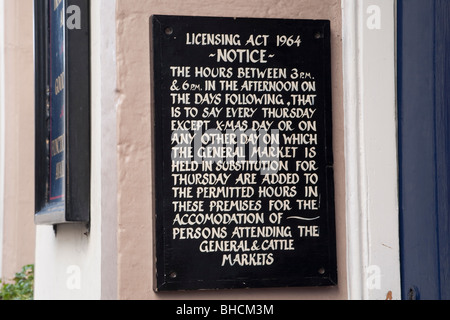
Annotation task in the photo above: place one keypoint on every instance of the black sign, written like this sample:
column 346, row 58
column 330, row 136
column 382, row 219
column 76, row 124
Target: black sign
column 62, row 111
column 244, row 186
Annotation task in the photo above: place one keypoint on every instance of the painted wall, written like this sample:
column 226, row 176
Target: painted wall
column 135, row 190
column 2, row 126
column 18, row 102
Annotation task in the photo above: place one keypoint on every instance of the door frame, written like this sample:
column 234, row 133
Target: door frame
column 373, row 264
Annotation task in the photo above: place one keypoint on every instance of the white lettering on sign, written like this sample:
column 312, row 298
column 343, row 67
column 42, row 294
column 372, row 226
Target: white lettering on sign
column 221, row 148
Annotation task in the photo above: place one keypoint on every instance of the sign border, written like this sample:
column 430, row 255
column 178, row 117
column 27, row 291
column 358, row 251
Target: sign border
column 162, row 281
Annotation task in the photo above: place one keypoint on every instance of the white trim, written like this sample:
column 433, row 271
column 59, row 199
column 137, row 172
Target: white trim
column 352, row 143
column 2, row 125
column 371, row 149
column 104, row 142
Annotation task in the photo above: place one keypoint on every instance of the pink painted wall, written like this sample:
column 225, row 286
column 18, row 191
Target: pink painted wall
column 18, row 228
column 135, row 190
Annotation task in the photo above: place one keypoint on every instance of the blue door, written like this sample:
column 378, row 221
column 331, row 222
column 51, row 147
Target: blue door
column 424, row 147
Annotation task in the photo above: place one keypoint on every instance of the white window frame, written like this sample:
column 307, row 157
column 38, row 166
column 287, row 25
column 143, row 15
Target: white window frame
column 373, row 254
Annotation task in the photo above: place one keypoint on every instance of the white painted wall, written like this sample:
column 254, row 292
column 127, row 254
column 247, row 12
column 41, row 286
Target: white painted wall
column 68, row 264
column 104, row 89
column 371, row 149
column 75, row 265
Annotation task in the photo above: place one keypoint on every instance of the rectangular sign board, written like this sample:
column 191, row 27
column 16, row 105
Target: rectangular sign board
column 243, row 165
column 62, row 111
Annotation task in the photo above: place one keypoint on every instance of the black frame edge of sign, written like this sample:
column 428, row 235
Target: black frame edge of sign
column 75, row 208
column 162, row 282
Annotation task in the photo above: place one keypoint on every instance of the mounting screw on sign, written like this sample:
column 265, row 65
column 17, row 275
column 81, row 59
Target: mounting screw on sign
column 318, row 35
column 168, row 31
